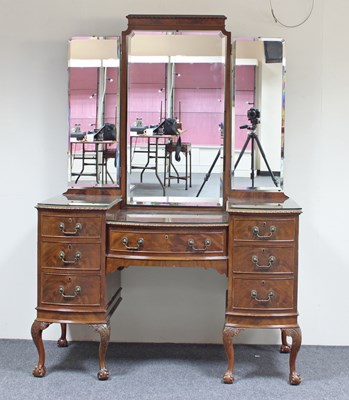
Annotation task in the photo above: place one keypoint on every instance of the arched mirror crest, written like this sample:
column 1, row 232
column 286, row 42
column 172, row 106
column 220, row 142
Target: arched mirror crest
column 93, row 92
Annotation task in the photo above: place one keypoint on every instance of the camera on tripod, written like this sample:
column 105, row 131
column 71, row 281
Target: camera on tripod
column 253, row 115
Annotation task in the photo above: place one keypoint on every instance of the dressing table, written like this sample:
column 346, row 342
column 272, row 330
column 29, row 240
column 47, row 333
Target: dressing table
column 250, row 234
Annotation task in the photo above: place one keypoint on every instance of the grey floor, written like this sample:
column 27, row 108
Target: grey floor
column 171, row 371
column 151, row 186
column 210, row 185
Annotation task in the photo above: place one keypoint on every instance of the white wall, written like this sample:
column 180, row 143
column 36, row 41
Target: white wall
column 171, row 304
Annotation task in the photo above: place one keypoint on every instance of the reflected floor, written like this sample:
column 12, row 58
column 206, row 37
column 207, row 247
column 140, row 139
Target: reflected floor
column 151, row 186
column 259, row 182
column 211, row 188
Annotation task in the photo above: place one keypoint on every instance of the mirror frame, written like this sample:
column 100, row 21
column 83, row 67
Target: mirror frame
column 255, row 62
column 141, row 22
column 100, row 188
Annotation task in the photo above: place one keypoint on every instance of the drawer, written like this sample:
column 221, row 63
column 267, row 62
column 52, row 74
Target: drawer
column 264, row 229
column 275, row 294
column 63, row 289
column 251, row 259
column 66, row 225
column 168, row 242
column 70, row 255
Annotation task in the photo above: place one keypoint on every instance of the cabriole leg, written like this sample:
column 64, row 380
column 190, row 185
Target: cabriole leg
column 285, row 347
column 62, row 341
column 296, row 335
column 228, row 335
column 36, row 331
column 104, row 331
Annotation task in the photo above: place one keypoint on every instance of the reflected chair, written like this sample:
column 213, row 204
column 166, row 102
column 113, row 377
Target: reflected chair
column 185, row 149
column 88, row 157
column 107, row 154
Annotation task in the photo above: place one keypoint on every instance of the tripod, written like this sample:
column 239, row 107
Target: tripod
column 254, row 139
column 209, row 172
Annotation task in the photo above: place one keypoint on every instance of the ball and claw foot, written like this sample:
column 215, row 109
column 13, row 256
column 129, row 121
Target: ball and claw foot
column 103, row 374
column 295, row 379
column 228, row 377
column 62, row 343
column 285, row 349
column 39, row 371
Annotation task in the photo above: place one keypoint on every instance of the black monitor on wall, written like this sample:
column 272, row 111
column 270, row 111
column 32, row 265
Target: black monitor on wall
column 273, row 51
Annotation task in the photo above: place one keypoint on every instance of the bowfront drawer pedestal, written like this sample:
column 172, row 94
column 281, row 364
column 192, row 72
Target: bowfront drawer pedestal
column 73, row 286
column 262, row 276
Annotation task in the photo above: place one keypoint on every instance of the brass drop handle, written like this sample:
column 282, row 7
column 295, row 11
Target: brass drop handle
column 140, row 243
column 64, row 261
column 70, row 296
column 255, row 231
column 76, row 230
column 191, row 244
column 271, row 260
column 254, row 295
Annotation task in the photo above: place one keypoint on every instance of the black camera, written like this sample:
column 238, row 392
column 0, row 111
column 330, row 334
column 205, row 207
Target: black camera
column 253, row 114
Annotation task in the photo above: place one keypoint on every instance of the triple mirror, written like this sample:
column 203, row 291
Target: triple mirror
column 179, row 75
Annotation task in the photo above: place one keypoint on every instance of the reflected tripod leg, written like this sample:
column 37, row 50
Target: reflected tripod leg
column 252, row 161
column 209, row 172
column 242, row 152
column 265, row 159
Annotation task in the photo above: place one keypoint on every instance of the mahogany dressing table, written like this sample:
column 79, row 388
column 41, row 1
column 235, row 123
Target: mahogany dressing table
column 89, row 234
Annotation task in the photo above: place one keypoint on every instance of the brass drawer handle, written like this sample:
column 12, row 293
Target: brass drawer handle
column 254, row 295
column 64, row 261
column 70, row 296
column 255, row 231
column 191, row 244
column 271, row 260
column 140, row 243
column 78, row 228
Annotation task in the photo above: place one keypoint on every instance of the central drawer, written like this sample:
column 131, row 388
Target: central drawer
column 167, row 241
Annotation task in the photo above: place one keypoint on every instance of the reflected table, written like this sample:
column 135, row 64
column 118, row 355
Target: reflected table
column 151, row 150
column 91, row 154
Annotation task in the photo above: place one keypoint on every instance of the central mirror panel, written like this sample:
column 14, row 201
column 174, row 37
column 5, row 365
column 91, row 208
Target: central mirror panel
column 178, row 75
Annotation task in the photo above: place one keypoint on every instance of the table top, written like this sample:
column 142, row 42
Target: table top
column 134, row 134
column 73, row 140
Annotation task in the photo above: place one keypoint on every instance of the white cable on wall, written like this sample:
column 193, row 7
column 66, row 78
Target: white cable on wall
column 290, row 26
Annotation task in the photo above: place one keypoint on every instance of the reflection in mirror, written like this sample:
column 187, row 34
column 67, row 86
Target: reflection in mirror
column 93, row 65
column 258, row 109
column 178, row 75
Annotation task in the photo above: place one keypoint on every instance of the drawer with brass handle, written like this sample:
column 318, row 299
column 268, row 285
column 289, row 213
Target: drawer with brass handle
column 70, row 289
column 251, row 259
column 85, row 256
column 272, row 229
column 167, row 242
column 276, row 294
column 65, row 225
